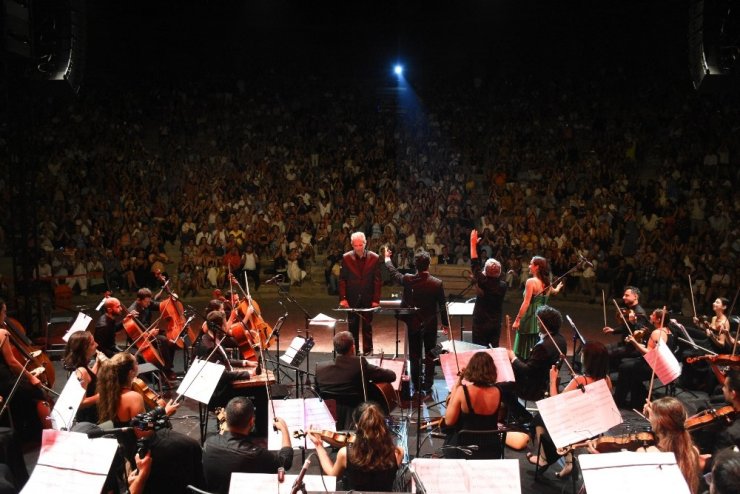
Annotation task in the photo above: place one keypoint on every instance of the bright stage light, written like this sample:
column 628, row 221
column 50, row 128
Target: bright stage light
column 398, row 69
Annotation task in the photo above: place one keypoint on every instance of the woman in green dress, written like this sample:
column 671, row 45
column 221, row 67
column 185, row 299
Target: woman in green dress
column 537, row 290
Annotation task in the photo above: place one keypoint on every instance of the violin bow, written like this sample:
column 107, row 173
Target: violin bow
column 729, row 314
column 508, row 330
column 603, row 304
column 619, row 311
column 563, row 357
column 691, row 290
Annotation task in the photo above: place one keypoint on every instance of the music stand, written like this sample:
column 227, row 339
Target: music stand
column 295, row 355
column 577, row 338
column 328, row 322
column 461, row 309
column 358, row 311
column 394, row 307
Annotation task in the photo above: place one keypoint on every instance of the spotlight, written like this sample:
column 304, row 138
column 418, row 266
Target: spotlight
column 398, row 70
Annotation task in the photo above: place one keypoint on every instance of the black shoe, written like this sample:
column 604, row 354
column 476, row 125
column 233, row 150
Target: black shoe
column 368, row 353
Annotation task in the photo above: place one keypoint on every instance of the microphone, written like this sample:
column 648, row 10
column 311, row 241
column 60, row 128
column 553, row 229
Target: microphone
column 281, row 475
column 275, row 279
column 586, row 262
column 105, row 432
column 298, row 484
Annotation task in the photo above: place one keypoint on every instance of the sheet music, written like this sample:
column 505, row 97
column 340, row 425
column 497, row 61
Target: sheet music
column 446, row 476
column 394, row 365
column 292, row 351
column 664, row 362
column 65, row 409
column 268, row 482
column 576, row 416
column 81, row 323
column 504, row 371
column 69, row 462
column 203, row 381
column 300, row 415
column 460, row 309
column 617, row 473
column 323, row 320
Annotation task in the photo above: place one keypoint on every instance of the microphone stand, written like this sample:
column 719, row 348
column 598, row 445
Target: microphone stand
column 577, row 337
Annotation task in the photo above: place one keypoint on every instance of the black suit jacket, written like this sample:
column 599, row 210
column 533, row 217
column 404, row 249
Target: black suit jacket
column 344, row 378
column 360, row 282
column 533, row 375
column 426, row 293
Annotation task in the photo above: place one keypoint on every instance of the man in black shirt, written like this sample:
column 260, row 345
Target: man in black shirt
column 108, row 325
column 233, row 451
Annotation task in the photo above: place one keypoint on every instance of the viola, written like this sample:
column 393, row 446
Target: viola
column 612, row 444
column 138, row 333
column 151, row 398
column 731, row 360
column 334, row 438
column 173, row 315
column 725, row 416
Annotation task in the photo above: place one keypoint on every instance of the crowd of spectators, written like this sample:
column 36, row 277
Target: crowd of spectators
column 640, row 182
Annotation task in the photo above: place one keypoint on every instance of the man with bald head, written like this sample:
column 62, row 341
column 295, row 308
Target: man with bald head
column 108, row 325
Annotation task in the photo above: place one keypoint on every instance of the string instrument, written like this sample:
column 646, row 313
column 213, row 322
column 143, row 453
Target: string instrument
column 334, row 438
column 730, row 360
column 252, row 320
column 613, row 444
column 724, row 416
column 140, row 335
column 173, row 314
column 151, row 398
column 23, row 351
column 245, row 337
column 221, row 419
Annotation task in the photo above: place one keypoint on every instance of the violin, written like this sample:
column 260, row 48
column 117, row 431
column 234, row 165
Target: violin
column 173, row 314
column 725, row 416
column 612, row 444
column 140, row 335
column 731, row 360
column 334, row 438
column 151, row 398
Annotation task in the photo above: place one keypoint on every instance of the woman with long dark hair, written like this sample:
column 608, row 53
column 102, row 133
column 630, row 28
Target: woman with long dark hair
column 474, row 406
column 369, row 463
column 537, row 290
column 79, row 351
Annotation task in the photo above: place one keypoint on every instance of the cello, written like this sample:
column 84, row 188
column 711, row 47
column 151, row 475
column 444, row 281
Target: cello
column 173, row 314
column 254, row 321
column 140, row 335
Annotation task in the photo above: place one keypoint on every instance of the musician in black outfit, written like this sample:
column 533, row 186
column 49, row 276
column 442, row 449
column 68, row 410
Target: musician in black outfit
column 234, row 451
column 490, row 289
column 343, row 378
column 426, row 293
column 144, row 306
column 637, row 319
column 108, row 325
column 533, row 374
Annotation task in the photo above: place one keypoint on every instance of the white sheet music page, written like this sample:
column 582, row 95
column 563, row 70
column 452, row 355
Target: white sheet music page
column 504, row 371
column 268, row 482
column 664, row 362
column 394, row 365
column 619, row 473
column 292, row 350
column 576, row 416
column 300, row 415
column 323, row 320
column 80, row 324
column 69, row 462
column 441, row 476
column 67, row 404
column 201, row 380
